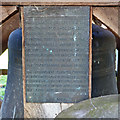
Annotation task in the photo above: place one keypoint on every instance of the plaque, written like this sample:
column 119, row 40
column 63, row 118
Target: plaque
column 56, row 53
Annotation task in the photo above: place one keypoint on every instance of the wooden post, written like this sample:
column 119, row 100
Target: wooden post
column 23, row 54
column 90, row 55
column 5, row 29
column 118, row 45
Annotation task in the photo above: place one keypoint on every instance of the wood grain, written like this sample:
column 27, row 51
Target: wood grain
column 6, row 28
column 60, row 2
column 44, row 110
column 23, row 55
column 90, row 55
column 109, row 17
column 6, row 11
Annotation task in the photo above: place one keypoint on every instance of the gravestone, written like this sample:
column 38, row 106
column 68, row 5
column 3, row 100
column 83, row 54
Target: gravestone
column 56, row 53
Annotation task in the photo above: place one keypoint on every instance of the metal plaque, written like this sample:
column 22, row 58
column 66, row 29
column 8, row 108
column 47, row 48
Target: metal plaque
column 56, row 53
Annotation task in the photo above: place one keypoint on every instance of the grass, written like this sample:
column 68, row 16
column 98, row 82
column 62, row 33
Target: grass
column 3, row 81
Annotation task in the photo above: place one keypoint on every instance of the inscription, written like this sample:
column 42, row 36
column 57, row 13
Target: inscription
column 56, row 54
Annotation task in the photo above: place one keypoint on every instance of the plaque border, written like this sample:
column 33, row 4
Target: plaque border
column 90, row 55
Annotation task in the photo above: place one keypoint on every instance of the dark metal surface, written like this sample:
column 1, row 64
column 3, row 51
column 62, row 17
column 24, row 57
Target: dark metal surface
column 56, row 50
column 12, row 106
column 103, row 74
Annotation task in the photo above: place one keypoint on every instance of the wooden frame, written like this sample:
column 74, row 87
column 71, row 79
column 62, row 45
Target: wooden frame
column 28, row 107
column 23, row 54
column 6, row 12
column 90, row 54
column 62, row 2
column 10, row 23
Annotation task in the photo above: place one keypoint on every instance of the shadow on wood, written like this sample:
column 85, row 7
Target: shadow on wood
column 6, row 28
column 109, row 16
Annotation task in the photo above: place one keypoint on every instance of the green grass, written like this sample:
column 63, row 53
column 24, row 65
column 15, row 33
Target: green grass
column 3, row 81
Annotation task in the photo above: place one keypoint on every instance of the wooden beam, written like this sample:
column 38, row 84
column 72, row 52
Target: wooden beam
column 23, row 55
column 6, row 11
column 61, row 2
column 90, row 55
column 3, row 72
column 109, row 17
column 5, row 30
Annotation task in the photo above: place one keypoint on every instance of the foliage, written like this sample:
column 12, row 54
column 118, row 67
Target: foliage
column 3, row 80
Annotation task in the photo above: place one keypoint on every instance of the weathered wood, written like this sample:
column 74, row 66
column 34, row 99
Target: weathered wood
column 6, row 28
column 23, row 55
column 108, row 16
column 6, row 11
column 98, row 22
column 90, row 54
column 3, row 72
column 60, row 2
column 45, row 110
